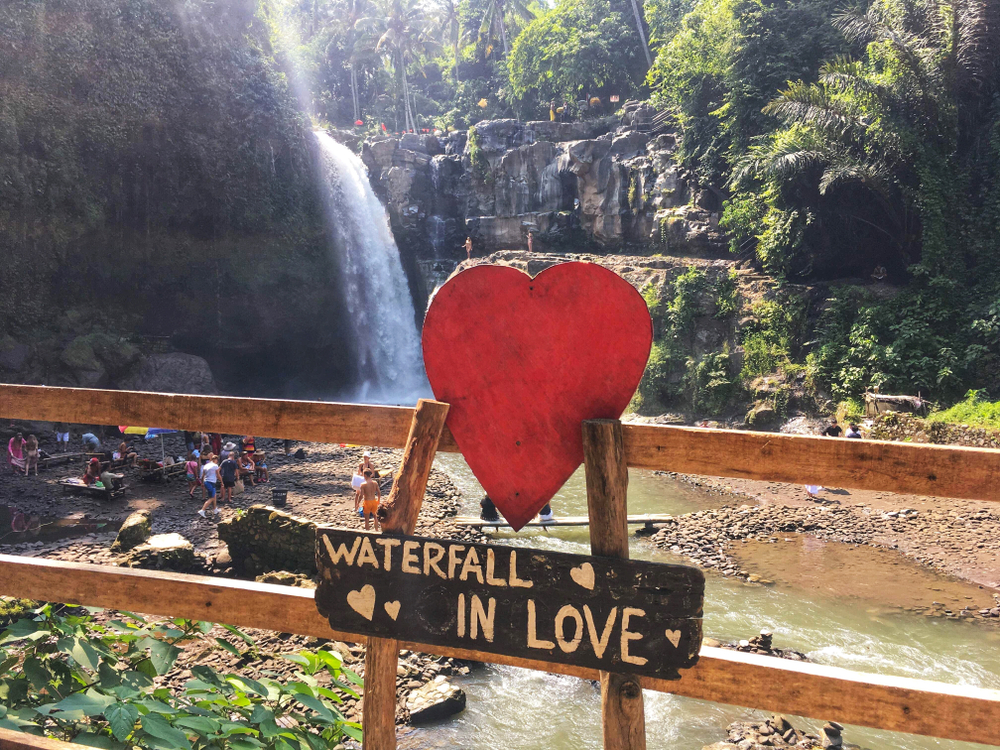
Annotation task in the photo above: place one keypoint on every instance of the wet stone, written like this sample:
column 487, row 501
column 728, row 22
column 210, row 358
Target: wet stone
column 434, row 701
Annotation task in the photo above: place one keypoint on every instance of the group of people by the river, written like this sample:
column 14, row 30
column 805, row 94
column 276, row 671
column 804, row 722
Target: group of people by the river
column 834, row 430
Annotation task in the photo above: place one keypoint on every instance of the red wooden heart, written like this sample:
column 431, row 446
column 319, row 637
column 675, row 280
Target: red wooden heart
column 523, row 362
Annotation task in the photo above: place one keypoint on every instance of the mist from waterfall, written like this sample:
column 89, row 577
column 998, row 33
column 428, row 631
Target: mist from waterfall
column 386, row 343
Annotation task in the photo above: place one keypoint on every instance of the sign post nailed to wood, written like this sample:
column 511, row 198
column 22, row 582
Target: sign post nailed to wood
column 615, row 615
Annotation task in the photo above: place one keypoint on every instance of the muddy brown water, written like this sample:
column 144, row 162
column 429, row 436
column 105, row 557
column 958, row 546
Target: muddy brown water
column 842, row 606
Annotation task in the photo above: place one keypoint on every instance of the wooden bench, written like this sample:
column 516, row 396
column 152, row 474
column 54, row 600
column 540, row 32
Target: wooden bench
column 71, row 484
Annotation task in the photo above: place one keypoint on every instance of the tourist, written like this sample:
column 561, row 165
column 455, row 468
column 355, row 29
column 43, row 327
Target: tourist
column 468, row 248
column 546, row 515
column 31, row 454
column 853, row 431
column 247, row 444
column 371, row 495
column 209, row 477
column 229, row 470
column 488, row 511
column 127, row 455
column 15, row 452
column 93, row 473
column 366, row 463
column 206, row 445
column 189, row 440
column 289, row 444
column 531, row 241
column 112, row 481
column 813, row 491
column 552, row 111
column 215, row 441
column 91, row 443
column 62, row 437
column 246, row 467
column 260, row 464
column 228, row 450
column 833, row 429
column 191, row 471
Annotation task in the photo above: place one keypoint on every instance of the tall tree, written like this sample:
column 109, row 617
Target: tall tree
column 495, row 19
column 447, row 23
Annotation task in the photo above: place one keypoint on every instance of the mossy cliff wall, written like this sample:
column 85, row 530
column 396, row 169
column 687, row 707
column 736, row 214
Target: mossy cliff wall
column 155, row 175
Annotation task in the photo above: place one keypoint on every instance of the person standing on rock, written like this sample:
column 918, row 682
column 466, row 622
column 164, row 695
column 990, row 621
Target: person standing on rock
column 209, row 477
column 192, row 470
column 833, row 429
column 468, row 248
column 229, row 469
column 62, row 437
column 31, row 454
column 531, row 241
column 371, row 495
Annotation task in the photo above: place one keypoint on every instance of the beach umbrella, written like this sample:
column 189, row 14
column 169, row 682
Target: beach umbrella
column 149, row 433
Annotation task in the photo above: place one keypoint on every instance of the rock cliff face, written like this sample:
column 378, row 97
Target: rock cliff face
column 586, row 185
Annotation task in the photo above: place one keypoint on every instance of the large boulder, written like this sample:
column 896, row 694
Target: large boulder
column 171, row 373
column 264, row 539
column 163, row 552
column 135, row 531
column 434, row 701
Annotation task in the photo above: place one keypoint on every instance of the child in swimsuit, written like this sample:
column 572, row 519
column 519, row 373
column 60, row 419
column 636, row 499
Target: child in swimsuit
column 31, row 454
column 371, row 495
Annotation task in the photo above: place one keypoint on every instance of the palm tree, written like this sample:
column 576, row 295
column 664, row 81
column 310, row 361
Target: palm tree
column 642, row 33
column 448, row 23
column 493, row 19
column 401, row 30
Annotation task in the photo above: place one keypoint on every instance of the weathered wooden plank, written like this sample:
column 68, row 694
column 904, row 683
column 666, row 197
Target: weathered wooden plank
column 971, row 473
column 623, row 716
column 470, row 522
column 314, row 421
column 398, row 515
column 10, row 740
column 636, row 617
column 901, row 704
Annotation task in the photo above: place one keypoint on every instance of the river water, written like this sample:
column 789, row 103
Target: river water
column 825, row 608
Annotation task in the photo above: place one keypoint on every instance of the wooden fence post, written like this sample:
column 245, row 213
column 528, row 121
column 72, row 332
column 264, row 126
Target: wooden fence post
column 398, row 515
column 622, row 712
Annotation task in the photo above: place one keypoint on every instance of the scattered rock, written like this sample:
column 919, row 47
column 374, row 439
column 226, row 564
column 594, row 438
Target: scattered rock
column 434, row 701
column 284, row 578
column 136, row 530
column 163, row 552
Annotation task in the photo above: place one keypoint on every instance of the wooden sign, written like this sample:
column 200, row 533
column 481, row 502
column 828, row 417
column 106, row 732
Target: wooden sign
column 615, row 615
column 523, row 361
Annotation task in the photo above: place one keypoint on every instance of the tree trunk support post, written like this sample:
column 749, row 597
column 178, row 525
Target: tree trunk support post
column 398, row 515
column 622, row 713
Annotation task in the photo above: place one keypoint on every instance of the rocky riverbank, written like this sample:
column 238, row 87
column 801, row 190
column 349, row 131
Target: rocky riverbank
column 959, row 539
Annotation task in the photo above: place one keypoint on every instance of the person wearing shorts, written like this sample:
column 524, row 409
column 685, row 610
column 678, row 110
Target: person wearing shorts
column 371, row 495
column 228, row 470
column 209, row 477
column 192, row 469
column 62, row 437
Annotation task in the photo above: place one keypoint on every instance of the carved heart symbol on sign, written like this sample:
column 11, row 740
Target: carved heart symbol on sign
column 392, row 609
column 523, row 361
column 583, row 575
column 363, row 602
column 674, row 636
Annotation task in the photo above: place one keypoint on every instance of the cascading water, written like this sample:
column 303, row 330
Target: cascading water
column 386, row 343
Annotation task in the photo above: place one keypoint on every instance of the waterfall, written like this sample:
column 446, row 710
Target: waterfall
column 387, row 353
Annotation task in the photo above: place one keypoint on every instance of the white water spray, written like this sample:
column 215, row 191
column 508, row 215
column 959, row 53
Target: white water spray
column 386, row 344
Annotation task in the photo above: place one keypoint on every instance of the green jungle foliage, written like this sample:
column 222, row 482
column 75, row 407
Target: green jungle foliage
column 975, row 411
column 66, row 675
column 154, row 169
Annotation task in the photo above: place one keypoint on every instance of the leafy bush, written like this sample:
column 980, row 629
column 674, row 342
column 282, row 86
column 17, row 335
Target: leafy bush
column 64, row 675
column 710, row 384
column 975, row 410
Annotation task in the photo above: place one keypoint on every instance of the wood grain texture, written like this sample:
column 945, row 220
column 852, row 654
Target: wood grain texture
column 901, row 704
column 630, row 616
column 970, row 473
column 10, row 740
column 314, row 421
column 398, row 514
column 378, row 718
column 623, row 714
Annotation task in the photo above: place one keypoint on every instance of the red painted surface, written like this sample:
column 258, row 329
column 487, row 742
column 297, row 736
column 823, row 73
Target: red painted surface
column 523, row 362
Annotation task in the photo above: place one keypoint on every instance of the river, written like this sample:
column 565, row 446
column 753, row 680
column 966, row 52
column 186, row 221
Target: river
column 822, row 608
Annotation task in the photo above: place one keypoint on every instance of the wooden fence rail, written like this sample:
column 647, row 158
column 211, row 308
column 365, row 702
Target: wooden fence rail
column 763, row 682
column 892, row 703
column 971, row 473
